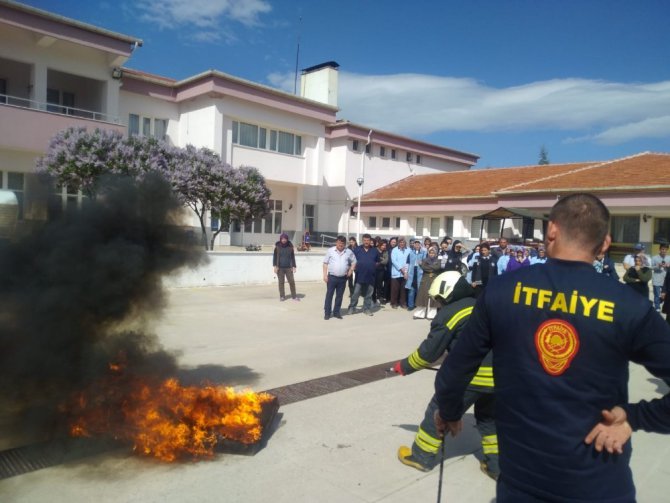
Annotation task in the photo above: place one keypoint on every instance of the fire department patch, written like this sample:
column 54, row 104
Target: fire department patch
column 557, row 343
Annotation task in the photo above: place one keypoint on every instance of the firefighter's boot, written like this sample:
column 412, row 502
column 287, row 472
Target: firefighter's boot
column 406, row 457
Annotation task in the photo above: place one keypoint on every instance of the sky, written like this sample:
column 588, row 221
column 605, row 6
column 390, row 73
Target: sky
column 588, row 80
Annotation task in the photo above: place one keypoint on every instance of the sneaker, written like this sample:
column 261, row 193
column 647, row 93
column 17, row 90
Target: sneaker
column 350, row 310
column 338, row 316
column 485, row 469
column 407, row 458
column 296, row 299
column 326, row 317
column 282, row 299
column 368, row 312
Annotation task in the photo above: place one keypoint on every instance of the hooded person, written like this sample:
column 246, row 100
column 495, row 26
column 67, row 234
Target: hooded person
column 283, row 262
column 455, row 257
column 456, row 298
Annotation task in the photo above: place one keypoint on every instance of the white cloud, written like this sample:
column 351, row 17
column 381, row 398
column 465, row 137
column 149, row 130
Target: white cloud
column 415, row 104
column 204, row 14
column 656, row 127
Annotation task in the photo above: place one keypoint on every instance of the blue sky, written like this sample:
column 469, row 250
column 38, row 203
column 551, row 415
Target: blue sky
column 588, row 79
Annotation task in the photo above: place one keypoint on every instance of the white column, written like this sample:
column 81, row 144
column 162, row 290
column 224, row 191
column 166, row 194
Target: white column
column 38, row 81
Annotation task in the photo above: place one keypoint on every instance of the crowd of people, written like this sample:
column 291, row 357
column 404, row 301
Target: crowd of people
column 399, row 273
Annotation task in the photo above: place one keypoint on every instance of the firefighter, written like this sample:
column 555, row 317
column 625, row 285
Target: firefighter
column 456, row 299
column 563, row 336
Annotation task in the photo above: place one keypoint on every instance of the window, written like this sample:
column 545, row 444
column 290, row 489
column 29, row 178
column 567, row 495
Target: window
column 143, row 125
column 397, row 222
column 434, row 226
column 625, row 228
column 53, row 99
column 386, row 222
column 393, row 154
column 251, row 135
column 372, row 222
column 248, row 135
column 449, row 226
column 382, row 152
column 160, row 129
column 68, row 103
column 15, row 182
column 309, row 211
column 418, row 229
column 368, row 148
column 418, row 159
column 65, row 200
column 273, row 219
column 262, row 137
column 286, row 143
column 661, row 229
column 354, row 145
column 493, row 228
column 146, row 126
column 475, row 228
column 408, row 157
column 3, row 90
column 133, row 124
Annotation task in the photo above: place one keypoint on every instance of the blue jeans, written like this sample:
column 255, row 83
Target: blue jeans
column 411, row 297
column 657, row 296
column 335, row 286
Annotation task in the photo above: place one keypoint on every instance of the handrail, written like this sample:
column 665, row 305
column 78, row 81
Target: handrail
column 16, row 101
column 323, row 239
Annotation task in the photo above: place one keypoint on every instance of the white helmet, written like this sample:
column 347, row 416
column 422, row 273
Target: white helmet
column 444, row 284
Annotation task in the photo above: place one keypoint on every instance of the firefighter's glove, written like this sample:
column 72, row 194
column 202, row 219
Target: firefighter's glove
column 397, row 368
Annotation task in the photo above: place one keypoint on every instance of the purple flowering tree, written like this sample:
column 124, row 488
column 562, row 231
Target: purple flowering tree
column 78, row 158
column 246, row 197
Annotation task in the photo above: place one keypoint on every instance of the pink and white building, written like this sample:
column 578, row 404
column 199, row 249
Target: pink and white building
column 57, row 73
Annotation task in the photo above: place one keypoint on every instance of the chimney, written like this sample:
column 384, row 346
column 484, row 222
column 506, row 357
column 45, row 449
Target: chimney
column 319, row 83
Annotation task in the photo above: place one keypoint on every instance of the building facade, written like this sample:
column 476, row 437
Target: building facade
column 57, row 73
column 636, row 189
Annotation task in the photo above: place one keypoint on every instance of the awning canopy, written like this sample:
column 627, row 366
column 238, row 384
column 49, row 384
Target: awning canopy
column 504, row 213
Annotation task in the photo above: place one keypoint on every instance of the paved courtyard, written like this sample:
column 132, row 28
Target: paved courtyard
column 336, row 447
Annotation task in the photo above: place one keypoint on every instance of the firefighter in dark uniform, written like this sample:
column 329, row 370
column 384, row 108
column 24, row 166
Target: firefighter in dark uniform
column 562, row 337
column 457, row 298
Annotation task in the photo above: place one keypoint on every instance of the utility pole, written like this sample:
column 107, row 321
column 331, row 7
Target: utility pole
column 360, row 181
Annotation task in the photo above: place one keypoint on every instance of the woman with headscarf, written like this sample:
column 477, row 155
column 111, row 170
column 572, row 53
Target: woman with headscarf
column 283, row 260
column 431, row 267
column 638, row 276
column 518, row 260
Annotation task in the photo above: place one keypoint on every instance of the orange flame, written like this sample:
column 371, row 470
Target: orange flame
column 168, row 421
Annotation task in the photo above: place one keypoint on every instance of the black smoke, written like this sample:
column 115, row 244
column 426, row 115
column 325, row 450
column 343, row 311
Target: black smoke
column 74, row 293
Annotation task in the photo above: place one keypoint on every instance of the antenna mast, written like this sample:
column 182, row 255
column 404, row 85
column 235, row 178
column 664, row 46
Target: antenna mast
column 297, row 56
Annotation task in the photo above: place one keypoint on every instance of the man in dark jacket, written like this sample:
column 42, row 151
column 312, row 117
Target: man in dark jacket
column 283, row 261
column 367, row 258
column 483, row 268
column 562, row 337
column 457, row 299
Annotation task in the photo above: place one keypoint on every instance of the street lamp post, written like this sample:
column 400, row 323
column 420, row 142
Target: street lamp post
column 360, row 181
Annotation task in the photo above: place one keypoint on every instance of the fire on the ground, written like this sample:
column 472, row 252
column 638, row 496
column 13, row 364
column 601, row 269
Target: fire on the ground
column 164, row 419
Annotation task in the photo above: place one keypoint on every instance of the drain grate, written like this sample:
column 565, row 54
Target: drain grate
column 34, row 457
column 330, row 384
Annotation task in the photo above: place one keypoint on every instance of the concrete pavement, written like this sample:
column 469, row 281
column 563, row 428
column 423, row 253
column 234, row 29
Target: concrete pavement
column 338, row 447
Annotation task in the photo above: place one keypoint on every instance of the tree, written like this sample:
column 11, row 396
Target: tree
column 246, row 197
column 544, row 156
column 201, row 181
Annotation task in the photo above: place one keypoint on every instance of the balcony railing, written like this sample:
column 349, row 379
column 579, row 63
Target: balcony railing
column 55, row 108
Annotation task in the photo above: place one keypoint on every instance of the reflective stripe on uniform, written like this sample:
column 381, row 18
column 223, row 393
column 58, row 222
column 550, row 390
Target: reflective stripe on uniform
column 490, row 444
column 483, row 377
column 428, row 443
column 459, row 316
column 417, row 362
